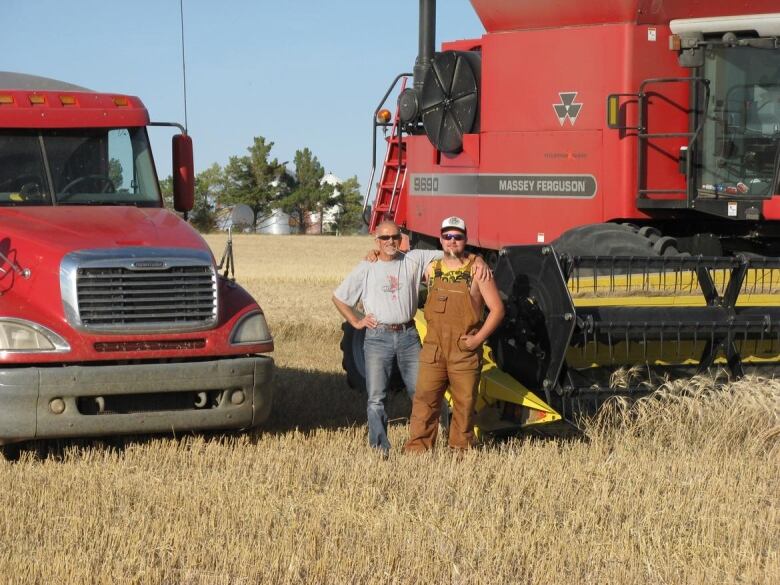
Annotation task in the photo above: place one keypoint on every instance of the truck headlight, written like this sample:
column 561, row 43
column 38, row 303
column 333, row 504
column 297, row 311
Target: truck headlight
column 251, row 328
column 26, row 336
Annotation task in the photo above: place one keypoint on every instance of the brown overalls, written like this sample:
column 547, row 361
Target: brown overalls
column 443, row 361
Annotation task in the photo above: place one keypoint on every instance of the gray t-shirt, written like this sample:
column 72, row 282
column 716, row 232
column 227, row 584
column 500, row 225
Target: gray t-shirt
column 388, row 289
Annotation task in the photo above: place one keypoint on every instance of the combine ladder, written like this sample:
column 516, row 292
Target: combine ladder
column 393, row 177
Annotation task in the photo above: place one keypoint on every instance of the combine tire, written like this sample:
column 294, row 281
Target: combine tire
column 611, row 239
column 354, row 363
column 664, row 244
column 352, row 359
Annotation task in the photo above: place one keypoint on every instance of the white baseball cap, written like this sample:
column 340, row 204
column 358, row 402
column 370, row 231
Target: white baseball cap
column 453, row 223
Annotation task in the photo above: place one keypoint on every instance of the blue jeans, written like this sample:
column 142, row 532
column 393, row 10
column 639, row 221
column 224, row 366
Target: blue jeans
column 381, row 347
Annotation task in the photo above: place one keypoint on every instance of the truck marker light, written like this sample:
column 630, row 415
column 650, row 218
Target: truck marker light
column 675, row 43
column 6, row 99
column 67, row 100
column 37, row 100
column 121, row 102
column 383, row 116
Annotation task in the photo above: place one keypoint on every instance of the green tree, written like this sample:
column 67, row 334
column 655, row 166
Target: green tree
column 203, row 217
column 166, row 187
column 307, row 194
column 254, row 180
column 209, row 187
column 349, row 202
column 210, row 184
column 115, row 174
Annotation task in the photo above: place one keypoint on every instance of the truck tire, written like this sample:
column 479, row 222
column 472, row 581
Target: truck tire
column 11, row 451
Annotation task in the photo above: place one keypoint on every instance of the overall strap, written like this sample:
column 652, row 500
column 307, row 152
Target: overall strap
column 437, row 271
column 462, row 274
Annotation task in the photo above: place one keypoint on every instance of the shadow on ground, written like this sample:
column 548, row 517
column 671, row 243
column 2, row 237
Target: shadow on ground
column 309, row 399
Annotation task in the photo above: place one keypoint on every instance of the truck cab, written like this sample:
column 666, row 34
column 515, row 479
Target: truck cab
column 114, row 318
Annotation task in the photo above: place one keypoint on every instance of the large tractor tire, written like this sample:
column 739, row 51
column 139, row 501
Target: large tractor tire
column 352, row 359
column 613, row 239
column 354, row 363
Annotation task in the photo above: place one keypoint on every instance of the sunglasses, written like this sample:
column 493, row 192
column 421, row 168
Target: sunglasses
column 456, row 237
column 389, row 237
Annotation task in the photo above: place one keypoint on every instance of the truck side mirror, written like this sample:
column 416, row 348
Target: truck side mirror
column 183, row 173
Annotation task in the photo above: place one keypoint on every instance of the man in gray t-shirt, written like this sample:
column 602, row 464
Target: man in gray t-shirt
column 388, row 289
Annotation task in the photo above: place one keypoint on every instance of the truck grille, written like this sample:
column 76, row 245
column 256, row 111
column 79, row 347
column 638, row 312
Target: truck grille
column 143, row 295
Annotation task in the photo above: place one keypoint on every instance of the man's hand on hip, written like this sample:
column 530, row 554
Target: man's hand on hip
column 367, row 322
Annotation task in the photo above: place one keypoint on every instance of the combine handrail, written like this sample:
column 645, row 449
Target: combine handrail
column 643, row 136
column 373, row 136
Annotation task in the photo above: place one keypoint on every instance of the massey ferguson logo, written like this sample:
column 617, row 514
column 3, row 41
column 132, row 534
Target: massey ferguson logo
column 568, row 108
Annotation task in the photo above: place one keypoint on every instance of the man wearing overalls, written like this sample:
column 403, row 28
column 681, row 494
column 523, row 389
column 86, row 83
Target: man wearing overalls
column 388, row 286
column 451, row 354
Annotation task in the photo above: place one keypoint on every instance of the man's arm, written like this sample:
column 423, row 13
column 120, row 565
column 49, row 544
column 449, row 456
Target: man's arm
column 479, row 269
column 489, row 292
column 349, row 314
column 349, row 293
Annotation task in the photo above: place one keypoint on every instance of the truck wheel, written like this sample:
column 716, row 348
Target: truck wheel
column 11, row 451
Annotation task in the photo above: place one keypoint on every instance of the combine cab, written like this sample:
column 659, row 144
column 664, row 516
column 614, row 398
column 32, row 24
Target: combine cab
column 619, row 166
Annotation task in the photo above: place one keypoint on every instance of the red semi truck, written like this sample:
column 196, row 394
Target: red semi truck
column 114, row 318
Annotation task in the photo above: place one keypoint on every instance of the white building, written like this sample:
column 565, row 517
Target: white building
column 330, row 214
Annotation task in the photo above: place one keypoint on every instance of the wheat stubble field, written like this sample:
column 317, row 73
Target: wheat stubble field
column 681, row 491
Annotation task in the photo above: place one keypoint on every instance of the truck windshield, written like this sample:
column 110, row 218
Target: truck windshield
column 95, row 166
column 742, row 130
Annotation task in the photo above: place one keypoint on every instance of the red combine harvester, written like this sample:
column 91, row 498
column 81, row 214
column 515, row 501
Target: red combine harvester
column 618, row 162
column 115, row 318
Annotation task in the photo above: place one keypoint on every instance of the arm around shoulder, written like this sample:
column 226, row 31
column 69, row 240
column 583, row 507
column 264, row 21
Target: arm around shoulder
column 479, row 268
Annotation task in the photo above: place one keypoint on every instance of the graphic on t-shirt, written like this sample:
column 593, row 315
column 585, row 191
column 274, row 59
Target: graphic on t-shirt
column 393, row 286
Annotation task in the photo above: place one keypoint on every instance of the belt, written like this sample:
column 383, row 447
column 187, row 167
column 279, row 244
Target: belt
column 396, row 326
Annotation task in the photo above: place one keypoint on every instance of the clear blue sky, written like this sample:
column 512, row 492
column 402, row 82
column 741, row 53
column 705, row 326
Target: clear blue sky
column 299, row 72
